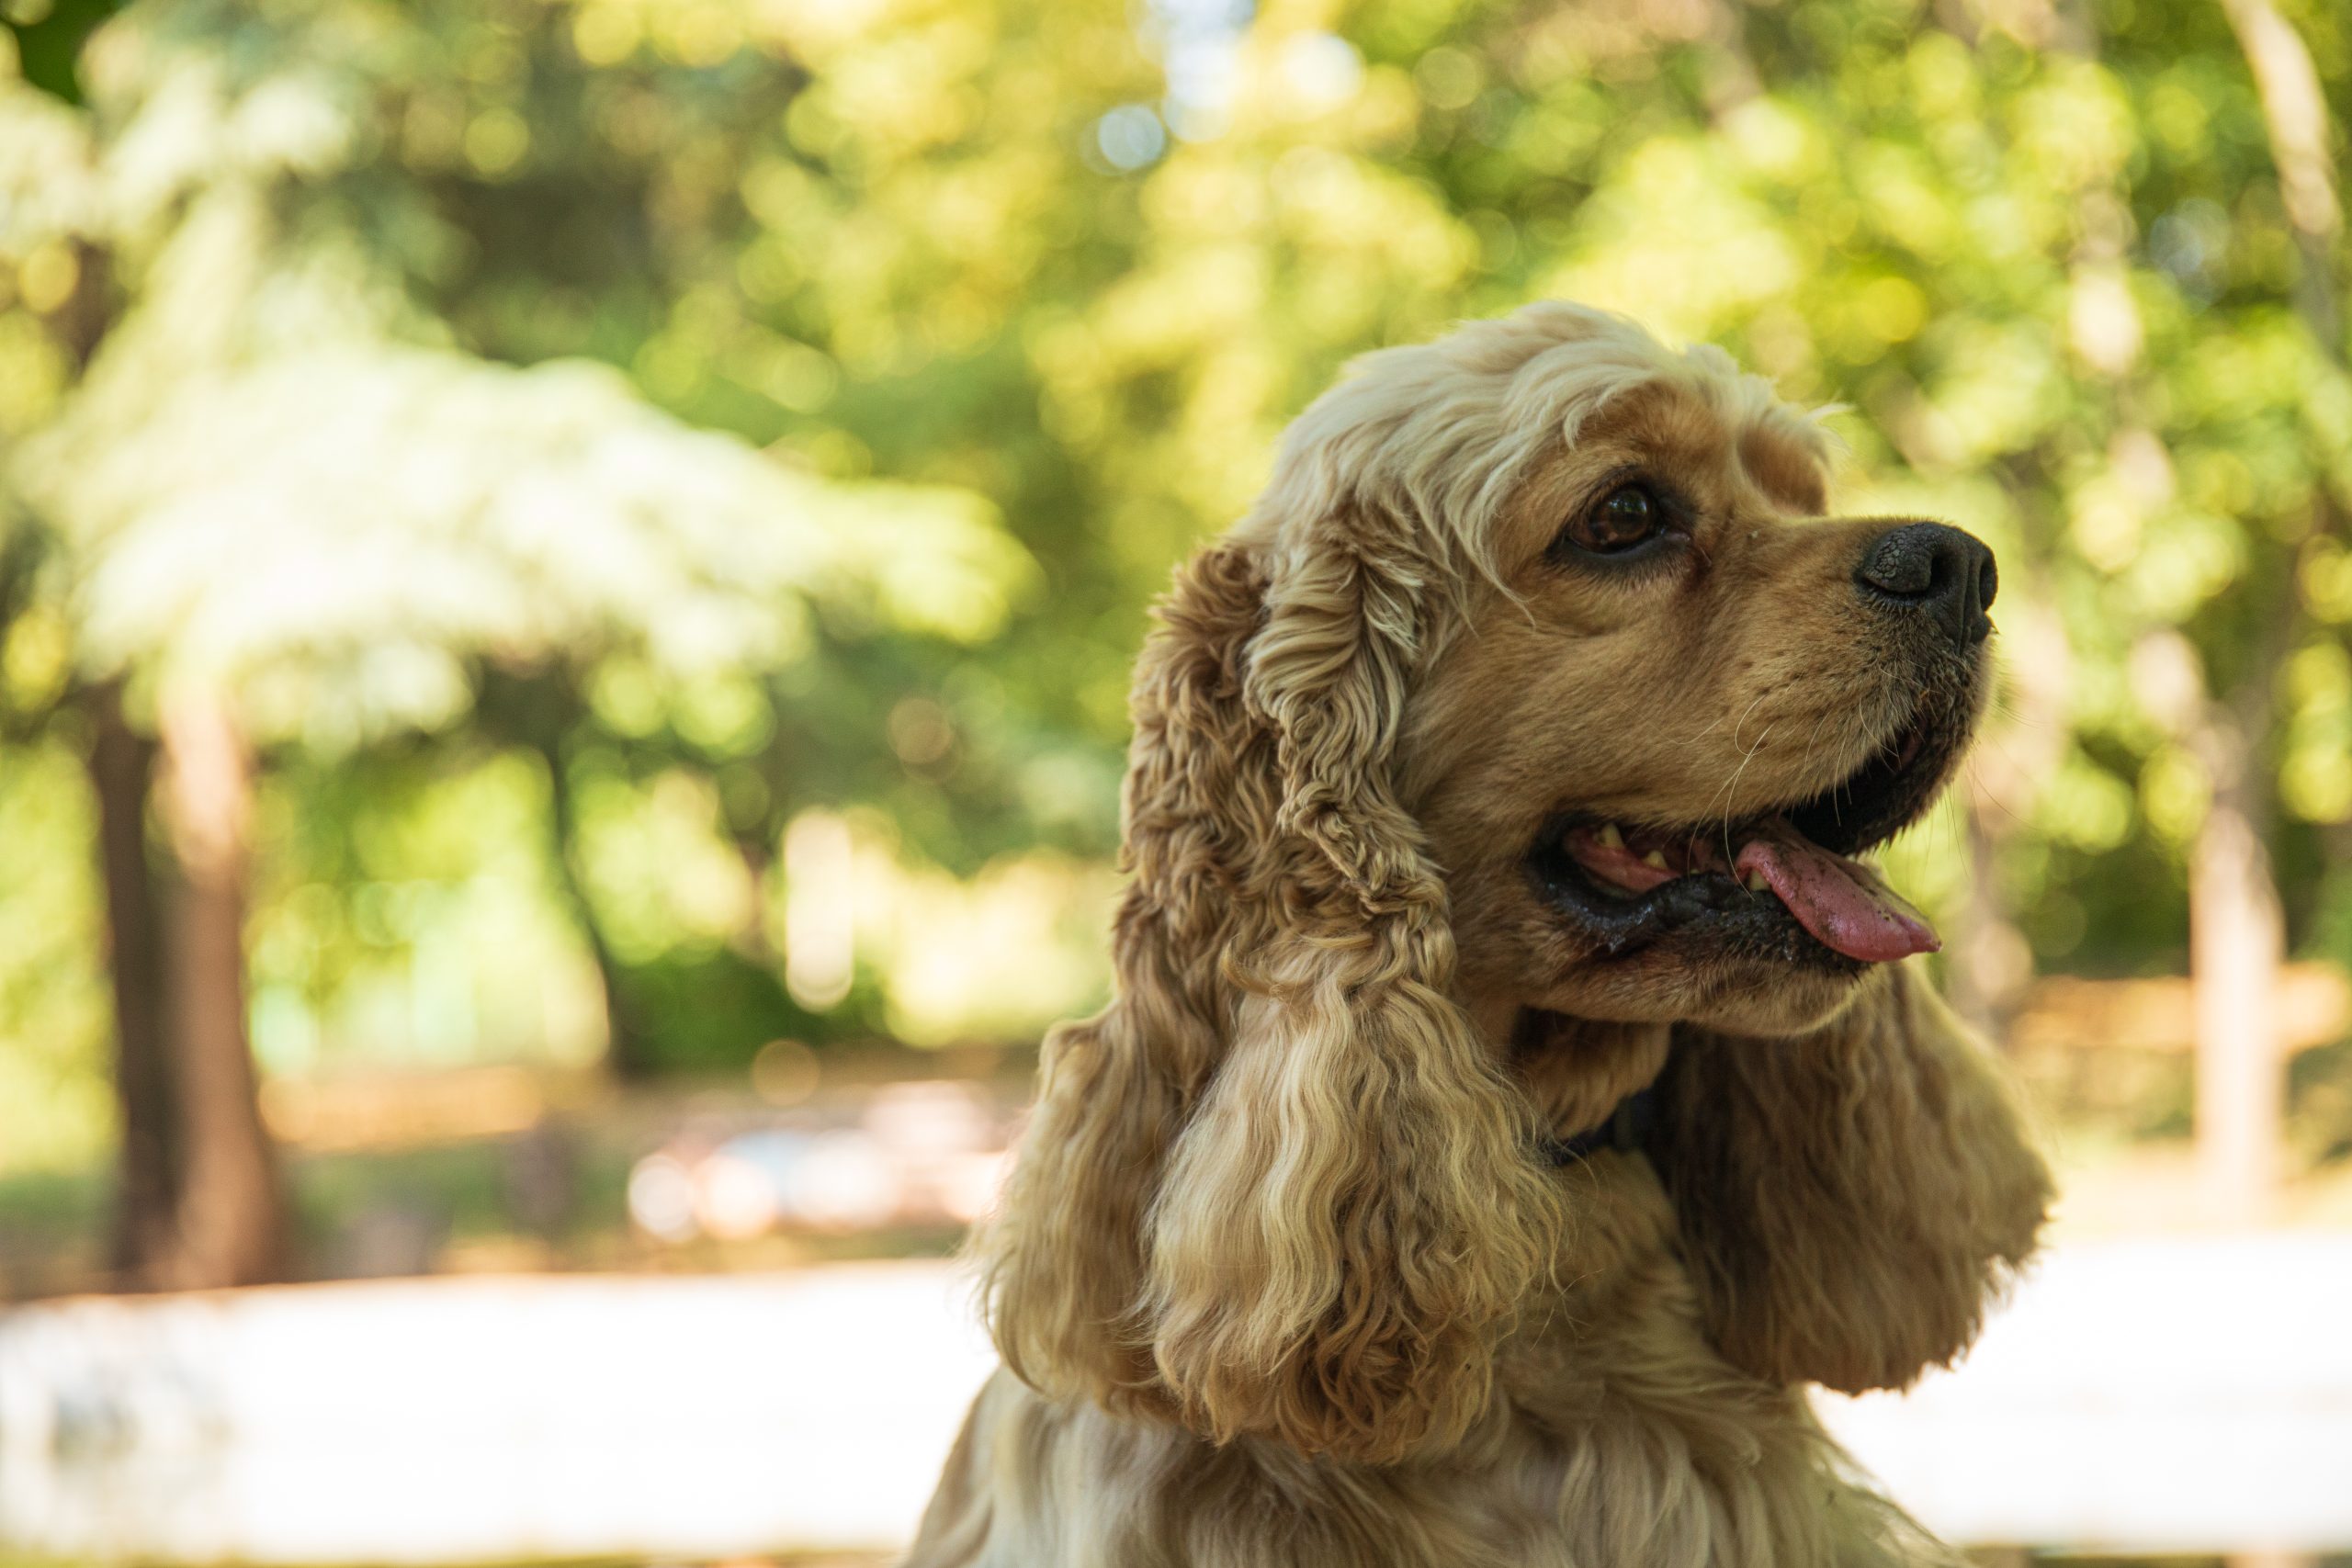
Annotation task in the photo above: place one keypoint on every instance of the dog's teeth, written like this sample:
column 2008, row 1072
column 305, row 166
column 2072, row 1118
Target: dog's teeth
column 1755, row 883
column 1610, row 836
column 1655, row 860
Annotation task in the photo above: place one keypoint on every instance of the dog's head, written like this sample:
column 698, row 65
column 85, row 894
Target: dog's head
column 1678, row 702
column 1535, row 683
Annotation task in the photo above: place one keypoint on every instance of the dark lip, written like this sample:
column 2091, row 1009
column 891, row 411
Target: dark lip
column 1893, row 789
column 1736, row 923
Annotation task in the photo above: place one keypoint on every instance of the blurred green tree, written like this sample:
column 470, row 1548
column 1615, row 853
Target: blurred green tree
column 285, row 294
column 275, row 509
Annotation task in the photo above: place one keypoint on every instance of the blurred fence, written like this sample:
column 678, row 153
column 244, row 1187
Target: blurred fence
column 2311, row 1004
column 2174, row 1396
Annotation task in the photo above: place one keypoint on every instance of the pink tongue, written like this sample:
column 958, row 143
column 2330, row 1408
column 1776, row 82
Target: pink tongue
column 1841, row 902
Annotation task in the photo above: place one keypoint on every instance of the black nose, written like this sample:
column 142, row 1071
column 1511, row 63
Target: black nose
column 1941, row 570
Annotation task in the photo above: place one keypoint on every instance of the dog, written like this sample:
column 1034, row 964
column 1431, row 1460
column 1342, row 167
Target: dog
column 1516, row 1090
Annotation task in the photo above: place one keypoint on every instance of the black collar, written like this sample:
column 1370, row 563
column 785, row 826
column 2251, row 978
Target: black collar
column 1626, row 1128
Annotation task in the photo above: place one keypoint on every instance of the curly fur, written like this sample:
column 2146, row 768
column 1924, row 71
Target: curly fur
column 1278, row 1278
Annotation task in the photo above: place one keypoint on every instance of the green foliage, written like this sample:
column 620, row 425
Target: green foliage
column 403, row 515
column 49, row 34
column 725, row 411
column 52, row 984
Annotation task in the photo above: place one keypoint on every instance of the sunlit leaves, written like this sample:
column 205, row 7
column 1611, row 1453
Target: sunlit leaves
column 1680, row 244
column 932, row 560
column 33, row 373
column 2315, row 777
column 396, row 513
column 54, row 1105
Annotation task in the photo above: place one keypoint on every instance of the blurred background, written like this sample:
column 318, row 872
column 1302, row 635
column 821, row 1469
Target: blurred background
column 567, row 574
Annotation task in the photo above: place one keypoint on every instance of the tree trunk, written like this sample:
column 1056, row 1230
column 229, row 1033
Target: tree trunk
column 2294, row 119
column 146, row 1221
column 624, row 1050
column 750, row 938
column 232, row 1210
column 2236, row 935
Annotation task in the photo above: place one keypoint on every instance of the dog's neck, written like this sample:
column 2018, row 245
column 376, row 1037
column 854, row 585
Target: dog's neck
column 1578, row 1072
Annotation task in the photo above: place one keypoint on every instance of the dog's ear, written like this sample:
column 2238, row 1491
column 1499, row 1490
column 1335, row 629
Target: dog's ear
column 1853, row 1199
column 1281, row 1187
column 1352, row 1215
column 1063, row 1254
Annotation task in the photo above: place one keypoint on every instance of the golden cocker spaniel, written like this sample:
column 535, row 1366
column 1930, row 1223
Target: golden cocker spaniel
column 1516, row 1090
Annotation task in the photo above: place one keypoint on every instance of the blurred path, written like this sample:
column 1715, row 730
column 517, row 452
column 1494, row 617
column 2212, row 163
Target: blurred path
column 2166, row 1395
column 458, row 1420
column 2169, row 1395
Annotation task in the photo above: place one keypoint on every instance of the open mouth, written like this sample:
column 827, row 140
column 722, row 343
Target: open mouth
column 1778, row 884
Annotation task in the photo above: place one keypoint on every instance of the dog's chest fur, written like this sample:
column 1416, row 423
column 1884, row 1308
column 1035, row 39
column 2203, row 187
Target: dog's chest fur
column 1619, row 1438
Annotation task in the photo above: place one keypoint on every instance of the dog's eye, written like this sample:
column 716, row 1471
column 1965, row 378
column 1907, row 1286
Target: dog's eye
column 1628, row 515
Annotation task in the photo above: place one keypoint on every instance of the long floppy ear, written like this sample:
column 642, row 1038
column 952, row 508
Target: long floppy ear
column 1853, row 1199
column 1063, row 1254
column 1281, row 1187
column 1353, row 1216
